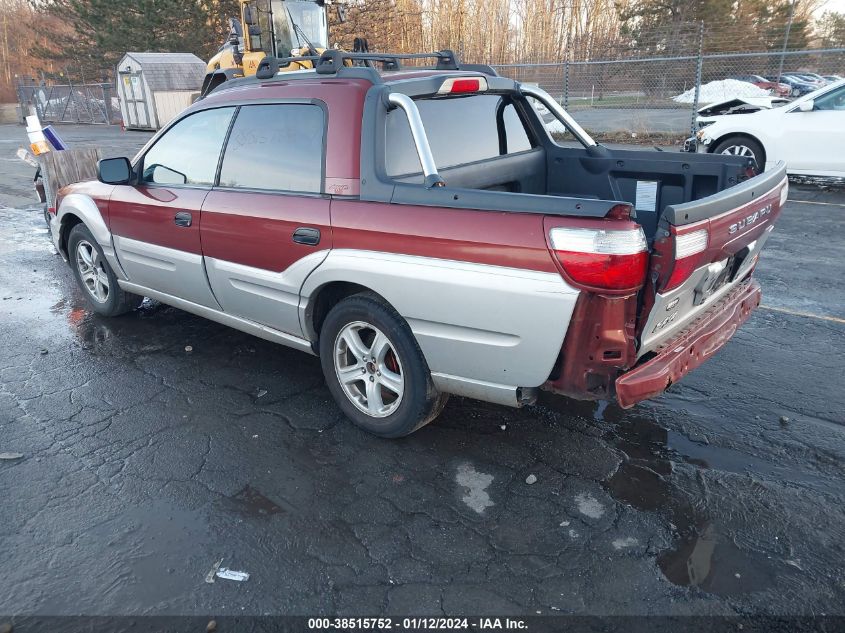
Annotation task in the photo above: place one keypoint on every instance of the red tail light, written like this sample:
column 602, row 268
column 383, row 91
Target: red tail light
column 602, row 259
column 688, row 249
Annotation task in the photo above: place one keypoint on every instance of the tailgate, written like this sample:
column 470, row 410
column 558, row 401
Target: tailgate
column 703, row 249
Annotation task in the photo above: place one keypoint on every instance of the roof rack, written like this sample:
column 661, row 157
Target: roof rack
column 269, row 66
column 331, row 61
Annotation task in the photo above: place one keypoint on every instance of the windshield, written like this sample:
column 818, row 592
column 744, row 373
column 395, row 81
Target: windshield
column 308, row 16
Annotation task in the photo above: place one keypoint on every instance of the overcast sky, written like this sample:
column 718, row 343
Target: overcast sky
column 831, row 5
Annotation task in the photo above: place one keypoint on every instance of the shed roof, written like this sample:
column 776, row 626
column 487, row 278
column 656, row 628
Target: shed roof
column 169, row 71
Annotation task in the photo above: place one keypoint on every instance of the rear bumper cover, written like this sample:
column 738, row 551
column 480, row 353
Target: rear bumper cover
column 690, row 348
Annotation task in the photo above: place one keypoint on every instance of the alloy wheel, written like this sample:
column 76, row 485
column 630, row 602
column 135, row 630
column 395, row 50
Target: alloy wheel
column 368, row 369
column 92, row 272
column 740, row 150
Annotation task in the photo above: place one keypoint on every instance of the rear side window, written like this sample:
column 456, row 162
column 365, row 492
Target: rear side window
column 188, row 153
column 275, row 147
column 460, row 130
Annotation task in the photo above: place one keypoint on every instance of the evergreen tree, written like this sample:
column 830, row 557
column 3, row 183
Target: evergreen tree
column 104, row 30
column 831, row 29
column 672, row 26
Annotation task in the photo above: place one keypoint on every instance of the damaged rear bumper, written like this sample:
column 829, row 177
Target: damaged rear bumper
column 689, row 348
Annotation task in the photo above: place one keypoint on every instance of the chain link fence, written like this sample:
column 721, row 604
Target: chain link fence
column 69, row 103
column 655, row 99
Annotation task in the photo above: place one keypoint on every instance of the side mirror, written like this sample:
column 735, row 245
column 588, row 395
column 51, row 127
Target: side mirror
column 250, row 15
column 114, row 171
column 806, row 106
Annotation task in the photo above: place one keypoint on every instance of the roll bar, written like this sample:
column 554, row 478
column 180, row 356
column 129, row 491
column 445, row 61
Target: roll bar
column 399, row 100
column 560, row 114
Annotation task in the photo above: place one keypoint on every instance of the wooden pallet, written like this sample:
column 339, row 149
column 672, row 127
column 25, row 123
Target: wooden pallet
column 66, row 167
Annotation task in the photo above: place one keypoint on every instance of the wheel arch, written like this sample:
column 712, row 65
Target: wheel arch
column 66, row 224
column 476, row 321
column 77, row 208
column 322, row 299
column 717, row 141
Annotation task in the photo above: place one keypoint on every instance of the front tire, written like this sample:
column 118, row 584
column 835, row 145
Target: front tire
column 375, row 369
column 95, row 277
column 743, row 146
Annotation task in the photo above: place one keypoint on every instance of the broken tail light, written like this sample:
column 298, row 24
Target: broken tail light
column 688, row 248
column 603, row 259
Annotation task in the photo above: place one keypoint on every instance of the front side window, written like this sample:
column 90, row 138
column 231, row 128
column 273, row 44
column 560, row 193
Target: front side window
column 460, row 130
column 833, row 100
column 188, row 153
column 276, row 147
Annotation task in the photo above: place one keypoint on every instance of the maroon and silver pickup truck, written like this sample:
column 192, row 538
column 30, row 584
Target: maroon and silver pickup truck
column 421, row 231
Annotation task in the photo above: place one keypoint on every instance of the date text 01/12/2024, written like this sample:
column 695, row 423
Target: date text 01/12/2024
column 417, row 624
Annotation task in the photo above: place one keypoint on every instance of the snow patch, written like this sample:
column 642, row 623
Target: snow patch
column 589, row 506
column 476, row 484
column 721, row 90
column 556, row 127
column 624, row 543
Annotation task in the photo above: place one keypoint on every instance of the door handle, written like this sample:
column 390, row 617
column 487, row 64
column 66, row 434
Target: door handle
column 183, row 218
column 306, row 235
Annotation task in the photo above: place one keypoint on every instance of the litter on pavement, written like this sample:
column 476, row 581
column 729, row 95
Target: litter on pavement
column 209, row 577
column 231, row 574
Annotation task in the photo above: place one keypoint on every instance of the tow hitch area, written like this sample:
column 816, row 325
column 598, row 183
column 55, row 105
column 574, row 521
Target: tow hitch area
column 690, row 348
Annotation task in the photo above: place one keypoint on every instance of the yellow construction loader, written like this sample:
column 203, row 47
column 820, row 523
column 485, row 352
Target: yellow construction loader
column 271, row 28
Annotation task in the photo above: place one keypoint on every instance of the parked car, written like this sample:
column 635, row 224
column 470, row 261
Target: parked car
column 775, row 88
column 832, row 78
column 821, row 81
column 813, row 81
column 711, row 112
column 798, row 87
column 808, row 134
column 422, row 233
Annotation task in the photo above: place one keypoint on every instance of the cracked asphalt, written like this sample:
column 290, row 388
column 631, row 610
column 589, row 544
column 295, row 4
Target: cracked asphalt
column 145, row 463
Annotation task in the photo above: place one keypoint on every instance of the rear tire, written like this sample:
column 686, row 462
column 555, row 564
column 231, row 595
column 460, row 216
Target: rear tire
column 743, row 146
column 375, row 369
column 95, row 277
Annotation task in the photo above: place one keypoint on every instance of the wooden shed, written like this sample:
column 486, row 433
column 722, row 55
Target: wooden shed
column 155, row 87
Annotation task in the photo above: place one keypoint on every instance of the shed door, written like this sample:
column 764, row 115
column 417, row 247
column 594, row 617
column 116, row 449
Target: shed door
column 135, row 99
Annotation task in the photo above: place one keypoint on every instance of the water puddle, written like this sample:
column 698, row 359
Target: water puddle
column 253, row 503
column 144, row 554
column 715, row 564
column 703, row 556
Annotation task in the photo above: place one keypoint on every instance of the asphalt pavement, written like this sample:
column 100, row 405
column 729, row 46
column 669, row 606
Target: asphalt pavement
column 157, row 444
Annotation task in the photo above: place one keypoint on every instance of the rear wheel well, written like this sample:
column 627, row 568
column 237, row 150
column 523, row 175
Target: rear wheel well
column 327, row 297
